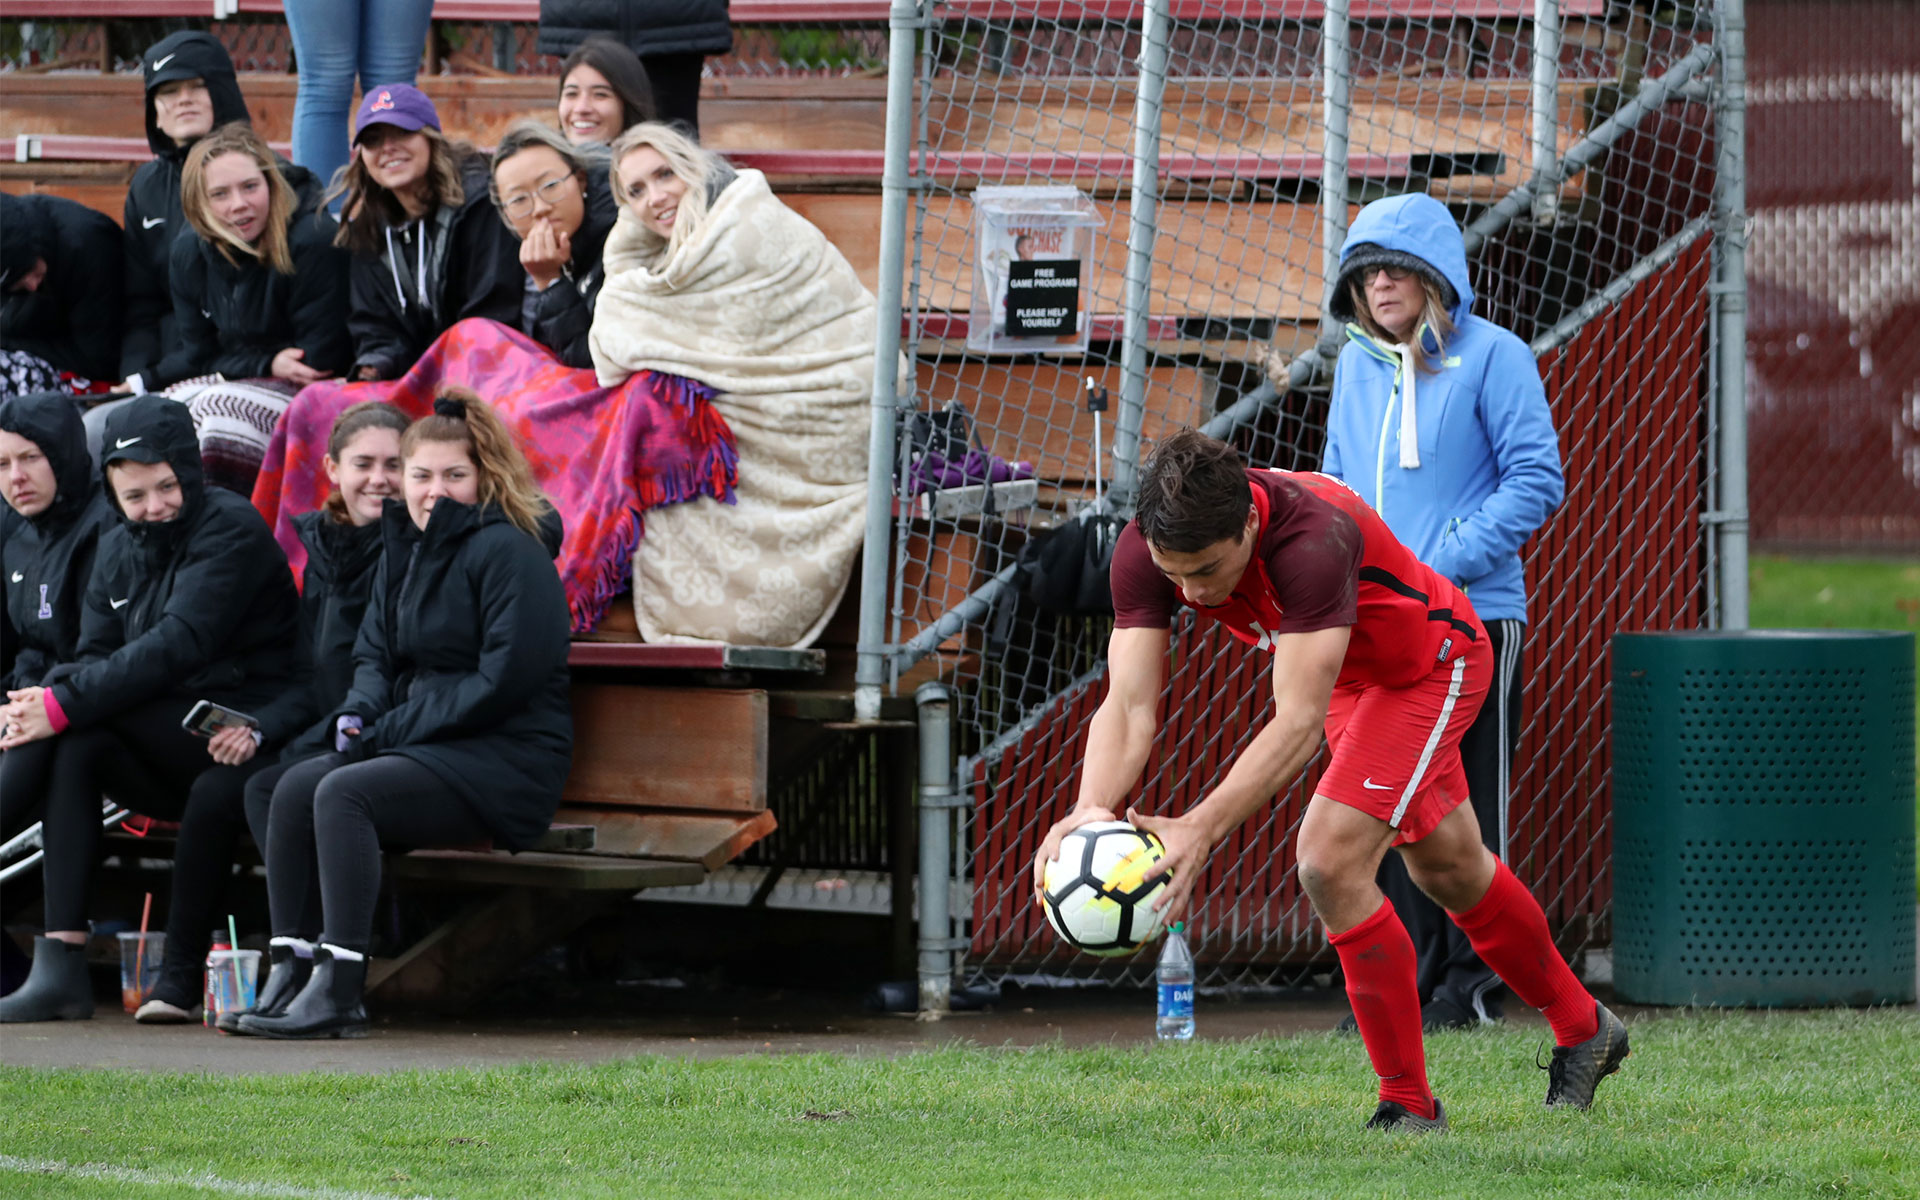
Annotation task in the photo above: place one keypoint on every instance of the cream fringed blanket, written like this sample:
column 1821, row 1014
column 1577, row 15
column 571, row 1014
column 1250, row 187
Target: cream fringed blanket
column 765, row 310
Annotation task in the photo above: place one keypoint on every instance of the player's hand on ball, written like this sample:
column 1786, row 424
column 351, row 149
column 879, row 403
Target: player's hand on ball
column 1050, row 847
column 1187, row 847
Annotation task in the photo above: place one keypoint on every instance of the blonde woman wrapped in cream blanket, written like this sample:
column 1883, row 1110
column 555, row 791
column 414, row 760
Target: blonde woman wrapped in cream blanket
column 710, row 276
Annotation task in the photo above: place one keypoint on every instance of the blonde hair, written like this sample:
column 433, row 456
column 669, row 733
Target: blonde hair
column 370, row 208
column 460, row 416
column 239, row 138
column 694, row 164
column 1433, row 319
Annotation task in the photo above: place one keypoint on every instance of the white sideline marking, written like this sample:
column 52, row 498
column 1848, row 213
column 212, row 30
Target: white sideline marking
column 205, row 1182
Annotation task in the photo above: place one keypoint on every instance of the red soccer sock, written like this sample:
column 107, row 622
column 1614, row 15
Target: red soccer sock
column 1377, row 957
column 1509, row 932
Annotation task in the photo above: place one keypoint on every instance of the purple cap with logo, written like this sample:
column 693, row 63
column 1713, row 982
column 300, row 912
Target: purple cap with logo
column 398, row 104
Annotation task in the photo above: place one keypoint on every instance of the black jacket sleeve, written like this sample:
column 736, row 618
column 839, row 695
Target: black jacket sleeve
column 294, row 709
column 562, row 319
column 196, row 347
column 372, row 685
column 214, row 587
column 519, row 591
column 147, row 298
column 320, row 302
column 373, row 320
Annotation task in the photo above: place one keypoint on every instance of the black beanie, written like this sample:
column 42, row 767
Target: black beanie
column 1368, row 255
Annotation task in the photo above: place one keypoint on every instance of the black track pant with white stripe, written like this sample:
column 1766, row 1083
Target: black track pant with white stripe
column 1448, row 968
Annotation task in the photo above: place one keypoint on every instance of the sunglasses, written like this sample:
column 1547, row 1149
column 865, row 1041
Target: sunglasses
column 1396, row 274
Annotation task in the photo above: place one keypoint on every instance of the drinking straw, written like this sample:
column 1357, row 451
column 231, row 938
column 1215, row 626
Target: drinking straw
column 233, row 934
column 140, row 951
column 233, row 945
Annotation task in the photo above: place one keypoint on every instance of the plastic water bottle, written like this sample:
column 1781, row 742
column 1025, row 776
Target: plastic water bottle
column 209, row 998
column 1175, row 976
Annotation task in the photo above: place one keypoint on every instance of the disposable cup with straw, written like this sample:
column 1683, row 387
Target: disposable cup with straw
column 133, row 991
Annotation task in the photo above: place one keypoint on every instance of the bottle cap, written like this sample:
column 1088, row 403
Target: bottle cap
column 1179, row 927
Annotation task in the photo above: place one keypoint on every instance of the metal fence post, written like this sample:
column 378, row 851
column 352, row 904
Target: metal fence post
column 937, row 799
column 1141, row 227
column 1336, row 90
column 870, row 671
column 1546, row 109
column 1730, row 310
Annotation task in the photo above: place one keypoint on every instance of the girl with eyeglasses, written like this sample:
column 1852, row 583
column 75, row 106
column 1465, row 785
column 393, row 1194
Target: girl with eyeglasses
column 561, row 211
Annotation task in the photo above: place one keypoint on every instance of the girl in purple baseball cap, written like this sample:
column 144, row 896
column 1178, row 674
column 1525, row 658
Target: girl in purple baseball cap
column 427, row 250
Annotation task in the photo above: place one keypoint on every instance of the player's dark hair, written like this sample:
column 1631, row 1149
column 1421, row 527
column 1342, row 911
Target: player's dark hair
column 1193, row 494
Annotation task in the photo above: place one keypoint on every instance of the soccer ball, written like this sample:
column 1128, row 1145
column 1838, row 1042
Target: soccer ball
column 1093, row 895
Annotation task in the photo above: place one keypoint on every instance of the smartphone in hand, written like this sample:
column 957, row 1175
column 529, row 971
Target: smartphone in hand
column 208, row 718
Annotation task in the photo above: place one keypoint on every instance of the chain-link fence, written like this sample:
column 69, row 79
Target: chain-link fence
column 1573, row 141
column 1834, row 295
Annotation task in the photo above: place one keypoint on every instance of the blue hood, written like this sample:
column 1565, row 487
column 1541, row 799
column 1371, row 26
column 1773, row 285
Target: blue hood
column 1417, row 226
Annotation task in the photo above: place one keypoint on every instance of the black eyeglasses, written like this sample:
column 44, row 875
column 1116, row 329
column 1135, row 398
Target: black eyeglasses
column 1394, row 273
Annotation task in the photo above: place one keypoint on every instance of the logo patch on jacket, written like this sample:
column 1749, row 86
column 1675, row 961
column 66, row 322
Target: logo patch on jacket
column 1446, row 648
column 46, row 609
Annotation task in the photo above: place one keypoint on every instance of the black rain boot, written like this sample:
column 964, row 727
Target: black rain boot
column 328, row 1007
column 287, row 973
column 57, row 988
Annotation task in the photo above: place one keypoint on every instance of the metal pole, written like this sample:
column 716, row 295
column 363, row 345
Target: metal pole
column 1730, row 318
column 870, row 670
column 1336, row 90
column 937, row 797
column 1140, row 232
column 1546, row 109
column 1652, row 94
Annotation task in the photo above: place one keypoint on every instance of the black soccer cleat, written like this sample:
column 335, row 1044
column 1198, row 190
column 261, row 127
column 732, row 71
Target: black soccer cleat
column 1394, row 1118
column 1576, row 1071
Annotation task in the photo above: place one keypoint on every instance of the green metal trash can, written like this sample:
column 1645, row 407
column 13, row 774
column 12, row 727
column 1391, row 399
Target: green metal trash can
column 1763, row 817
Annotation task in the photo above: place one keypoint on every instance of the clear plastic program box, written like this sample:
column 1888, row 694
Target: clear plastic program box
column 1033, row 255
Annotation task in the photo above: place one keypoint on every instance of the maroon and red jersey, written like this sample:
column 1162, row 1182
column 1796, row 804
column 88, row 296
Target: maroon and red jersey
column 1323, row 559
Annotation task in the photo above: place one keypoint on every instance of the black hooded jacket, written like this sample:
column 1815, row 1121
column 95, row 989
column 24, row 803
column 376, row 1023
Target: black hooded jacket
column 73, row 319
column 560, row 317
column 234, row 316
column 461, row 663
column 46, row 559
column 648, row 26
column 201, row 607
column 342, row 559
column 153, row 217
column 473, row 269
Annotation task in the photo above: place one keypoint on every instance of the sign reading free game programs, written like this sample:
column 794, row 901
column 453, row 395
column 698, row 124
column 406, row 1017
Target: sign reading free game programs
column 1043, row 297
column 1033, row 247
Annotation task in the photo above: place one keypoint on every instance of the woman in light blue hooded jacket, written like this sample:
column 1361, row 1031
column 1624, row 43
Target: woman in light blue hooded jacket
column 1439, row 419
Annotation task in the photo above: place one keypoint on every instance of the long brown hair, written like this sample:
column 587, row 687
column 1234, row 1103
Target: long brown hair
column 1433, row 319
column 370, row 208
column 368, row 414
column 623, row 71
column 460, row 416
column 238, row 137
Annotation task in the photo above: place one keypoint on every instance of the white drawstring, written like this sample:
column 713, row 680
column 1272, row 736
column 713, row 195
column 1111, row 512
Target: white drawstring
column 1409, row 415
column 420, row 271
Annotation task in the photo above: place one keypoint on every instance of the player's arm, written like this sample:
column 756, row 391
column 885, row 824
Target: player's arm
column 1305, row 666
column 1119, row 737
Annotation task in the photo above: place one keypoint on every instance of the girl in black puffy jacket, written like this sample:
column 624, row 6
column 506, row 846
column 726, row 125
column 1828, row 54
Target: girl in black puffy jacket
column 46, row 558
column 190, row 599
column 457, row 728
column 343, row 553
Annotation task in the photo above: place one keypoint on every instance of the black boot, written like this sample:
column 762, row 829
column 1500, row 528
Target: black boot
column 328, row 1007
column 174, row 996
column 57, row 988
column 287, row 973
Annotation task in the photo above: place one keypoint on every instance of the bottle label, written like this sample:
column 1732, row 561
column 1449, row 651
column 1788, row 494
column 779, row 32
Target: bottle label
column 1176, row 1000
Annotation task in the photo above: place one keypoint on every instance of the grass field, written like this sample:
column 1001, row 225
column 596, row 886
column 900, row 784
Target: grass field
column 1709, row 1105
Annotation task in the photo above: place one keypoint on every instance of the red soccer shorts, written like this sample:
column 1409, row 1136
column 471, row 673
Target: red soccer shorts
column 1396, row 751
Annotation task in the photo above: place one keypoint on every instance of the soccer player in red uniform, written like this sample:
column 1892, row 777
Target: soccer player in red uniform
column 1388, row 658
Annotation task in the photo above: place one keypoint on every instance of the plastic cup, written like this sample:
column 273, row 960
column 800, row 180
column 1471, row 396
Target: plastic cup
column 232, row 975
column 140, row 955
